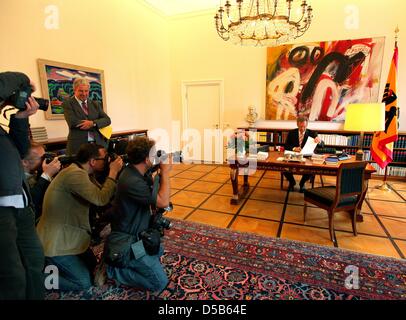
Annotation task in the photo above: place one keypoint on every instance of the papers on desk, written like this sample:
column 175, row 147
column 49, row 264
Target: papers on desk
column 262, row 156
column 293, row 156
column 318, row 158
column 309, row 147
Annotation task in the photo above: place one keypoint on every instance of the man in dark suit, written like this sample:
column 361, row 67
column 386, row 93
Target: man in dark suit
column 295, row 141
column 84, row 118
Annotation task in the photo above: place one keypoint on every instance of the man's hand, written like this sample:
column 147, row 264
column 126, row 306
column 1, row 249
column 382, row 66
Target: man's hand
column 85, row 125
column 166, row 167
column 115, row 167
column 51, row 168
column 317, row 140
column 32, row 107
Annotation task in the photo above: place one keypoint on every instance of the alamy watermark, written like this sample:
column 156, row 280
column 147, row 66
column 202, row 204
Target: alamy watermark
column 351, row 21
column 52, row 277
column 51, row 21
column 352, row 281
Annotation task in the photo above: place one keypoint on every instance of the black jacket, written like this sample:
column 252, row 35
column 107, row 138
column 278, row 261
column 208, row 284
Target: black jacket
column 15, row 144
column 38, row 187
column 132, row 202
column 292, row 141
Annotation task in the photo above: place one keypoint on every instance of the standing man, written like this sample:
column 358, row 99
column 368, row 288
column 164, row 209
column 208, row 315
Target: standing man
column 295, row 141
column 22, row 257
column 84, row 118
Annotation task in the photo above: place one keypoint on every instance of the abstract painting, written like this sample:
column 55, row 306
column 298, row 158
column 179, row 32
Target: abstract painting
column 57, row 84
column 318, row 80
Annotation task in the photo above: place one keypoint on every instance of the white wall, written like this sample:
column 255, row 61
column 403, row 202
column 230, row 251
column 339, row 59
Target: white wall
column 145, row 56
column 125, row 39
column 197, row 53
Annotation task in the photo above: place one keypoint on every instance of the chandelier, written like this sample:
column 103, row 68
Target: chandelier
column 263, row 22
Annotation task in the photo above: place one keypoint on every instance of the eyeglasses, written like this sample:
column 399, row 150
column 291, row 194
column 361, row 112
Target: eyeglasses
column 35, row 158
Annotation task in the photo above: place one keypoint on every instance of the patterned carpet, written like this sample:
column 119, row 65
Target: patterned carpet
column 204, row 262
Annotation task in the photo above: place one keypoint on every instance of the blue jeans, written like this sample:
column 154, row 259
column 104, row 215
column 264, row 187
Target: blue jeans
column 145, row 272
column 75, row 271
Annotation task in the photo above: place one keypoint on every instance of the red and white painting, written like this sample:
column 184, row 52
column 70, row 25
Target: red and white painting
column 319, row 79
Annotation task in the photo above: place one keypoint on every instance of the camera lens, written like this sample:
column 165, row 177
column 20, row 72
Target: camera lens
column 43, row 104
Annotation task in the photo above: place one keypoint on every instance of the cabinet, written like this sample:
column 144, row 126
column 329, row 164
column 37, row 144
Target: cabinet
column 346, row 141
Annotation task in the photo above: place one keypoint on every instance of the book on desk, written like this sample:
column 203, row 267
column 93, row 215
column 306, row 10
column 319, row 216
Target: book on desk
column 338, row 157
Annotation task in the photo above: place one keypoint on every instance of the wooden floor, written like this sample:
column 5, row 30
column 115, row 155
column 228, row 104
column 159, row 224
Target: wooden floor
column 202, row 193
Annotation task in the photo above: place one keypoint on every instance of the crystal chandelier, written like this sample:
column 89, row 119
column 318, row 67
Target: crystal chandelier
column 263, row 22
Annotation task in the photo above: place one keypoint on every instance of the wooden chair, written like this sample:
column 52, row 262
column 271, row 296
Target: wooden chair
column 347, row 195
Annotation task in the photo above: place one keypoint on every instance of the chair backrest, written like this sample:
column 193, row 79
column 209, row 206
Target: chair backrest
column 350, row 179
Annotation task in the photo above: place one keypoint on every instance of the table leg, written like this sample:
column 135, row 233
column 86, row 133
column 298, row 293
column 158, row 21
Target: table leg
column 360, row 217
column 238, row 194
column 246, row 185
column 234, row 183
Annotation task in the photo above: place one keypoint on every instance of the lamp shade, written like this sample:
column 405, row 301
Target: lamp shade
column 365, row 117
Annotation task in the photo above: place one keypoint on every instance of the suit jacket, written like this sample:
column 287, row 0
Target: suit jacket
column 64, row 226
column 38, row 187
column 74, row 114
column 292, row 141
column 13, row 145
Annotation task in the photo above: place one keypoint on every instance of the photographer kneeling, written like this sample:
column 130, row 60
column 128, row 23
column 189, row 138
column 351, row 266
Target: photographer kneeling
column 64, row 227
column 130, row 260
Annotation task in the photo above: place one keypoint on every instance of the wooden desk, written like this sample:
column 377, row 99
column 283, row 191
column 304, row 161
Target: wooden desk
column 271, row 163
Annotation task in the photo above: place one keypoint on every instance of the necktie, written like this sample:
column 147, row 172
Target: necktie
column 85, row 108
column 301, row 136
column 90, row 134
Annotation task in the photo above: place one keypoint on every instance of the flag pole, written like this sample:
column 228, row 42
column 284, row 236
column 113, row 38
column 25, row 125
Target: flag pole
column 385, row 186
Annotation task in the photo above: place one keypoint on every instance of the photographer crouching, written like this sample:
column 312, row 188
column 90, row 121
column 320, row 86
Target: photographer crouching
column 39, row 173
column 133, row 248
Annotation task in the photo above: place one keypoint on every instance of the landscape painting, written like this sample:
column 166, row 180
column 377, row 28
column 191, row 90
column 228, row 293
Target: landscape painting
column 318, row 80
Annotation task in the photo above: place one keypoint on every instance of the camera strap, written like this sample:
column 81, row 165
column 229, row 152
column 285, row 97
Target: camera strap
column 5, row 114
column 155, row 188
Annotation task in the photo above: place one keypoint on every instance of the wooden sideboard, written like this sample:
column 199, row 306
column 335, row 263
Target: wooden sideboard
column 60, row 143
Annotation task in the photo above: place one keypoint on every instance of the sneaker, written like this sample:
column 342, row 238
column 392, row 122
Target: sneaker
column 302, row 189
column 100, row 276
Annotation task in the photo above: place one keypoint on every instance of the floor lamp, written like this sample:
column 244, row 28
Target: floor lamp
column 361, row 117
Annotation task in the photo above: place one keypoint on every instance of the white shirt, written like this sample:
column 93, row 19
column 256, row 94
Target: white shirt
column 18, row 201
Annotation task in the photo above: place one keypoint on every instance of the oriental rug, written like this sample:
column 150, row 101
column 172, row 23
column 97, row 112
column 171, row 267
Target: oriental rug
column 209, row 263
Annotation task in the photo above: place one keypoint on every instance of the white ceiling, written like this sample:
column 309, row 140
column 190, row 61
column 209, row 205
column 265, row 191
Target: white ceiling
column 175, row 7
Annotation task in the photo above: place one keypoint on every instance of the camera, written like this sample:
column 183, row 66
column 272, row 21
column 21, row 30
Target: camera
column 20, row 97
column 158, row 221
column 113, row 156
column 161, row 156
column 64, row 160
column 117, row 147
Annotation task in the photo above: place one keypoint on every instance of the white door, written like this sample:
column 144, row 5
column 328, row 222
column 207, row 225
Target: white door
column 202, row 121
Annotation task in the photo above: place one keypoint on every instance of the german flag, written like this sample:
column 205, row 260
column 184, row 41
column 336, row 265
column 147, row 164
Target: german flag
column 382, row 142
